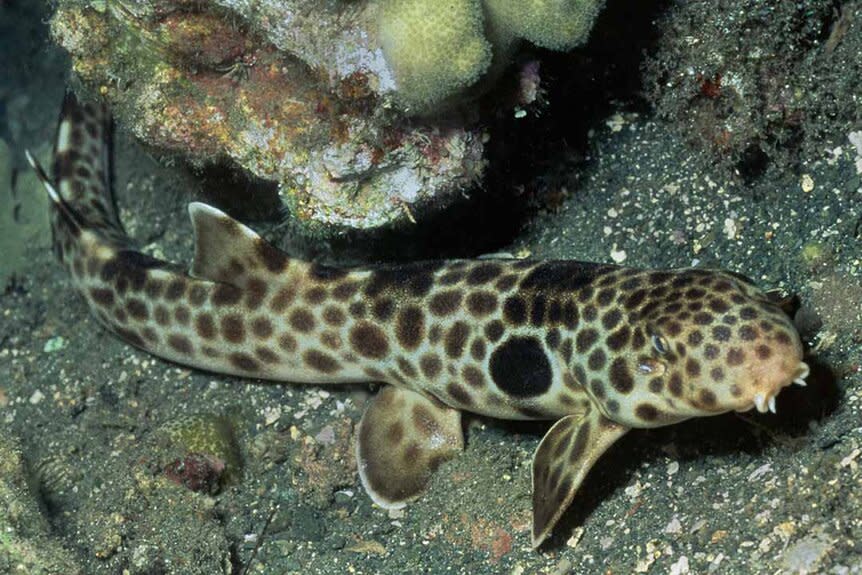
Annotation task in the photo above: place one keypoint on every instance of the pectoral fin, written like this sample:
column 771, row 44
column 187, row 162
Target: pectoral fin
column 562, row 460
column 403, row 437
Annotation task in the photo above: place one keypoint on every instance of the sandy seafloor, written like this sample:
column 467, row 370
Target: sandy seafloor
column 80, row 411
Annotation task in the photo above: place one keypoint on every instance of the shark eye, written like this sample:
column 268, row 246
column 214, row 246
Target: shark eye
column 660, row 344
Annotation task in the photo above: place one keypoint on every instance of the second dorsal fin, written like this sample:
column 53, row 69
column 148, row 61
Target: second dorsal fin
column 226, row 250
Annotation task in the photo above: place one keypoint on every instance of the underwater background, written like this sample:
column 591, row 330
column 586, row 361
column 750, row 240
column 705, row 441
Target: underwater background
column 722, row 134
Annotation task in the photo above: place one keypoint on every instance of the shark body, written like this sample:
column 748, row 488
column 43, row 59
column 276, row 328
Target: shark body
column 595, row 348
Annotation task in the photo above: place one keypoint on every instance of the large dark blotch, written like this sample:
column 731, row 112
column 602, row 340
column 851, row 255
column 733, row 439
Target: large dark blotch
column 130, row 266
column 562, row 276
column 414, row 278
column 520, row 367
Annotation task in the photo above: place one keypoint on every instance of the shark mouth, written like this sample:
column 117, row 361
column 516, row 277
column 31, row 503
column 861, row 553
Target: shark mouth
column 766, row 402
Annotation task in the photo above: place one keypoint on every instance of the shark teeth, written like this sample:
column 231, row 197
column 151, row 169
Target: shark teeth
column 764, row 404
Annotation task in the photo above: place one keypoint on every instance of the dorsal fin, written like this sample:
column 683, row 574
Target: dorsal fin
column 226, row 250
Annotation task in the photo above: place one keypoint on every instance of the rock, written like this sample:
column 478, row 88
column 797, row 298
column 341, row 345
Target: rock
column 313, row 95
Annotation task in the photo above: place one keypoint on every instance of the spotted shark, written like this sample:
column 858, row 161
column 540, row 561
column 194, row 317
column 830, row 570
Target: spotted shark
column 596, row 349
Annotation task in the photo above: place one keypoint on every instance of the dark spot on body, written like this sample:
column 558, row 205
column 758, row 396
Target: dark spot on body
column 345, row 290
column 635, row 299
column 561, row 276
column 197, row 295
column 552, row 339
column 283, row 298
column 180, row 343
column 154, row 288
column 692, row 367
column 520, row 367
column 255, row 293
column 410, row 327
column 459, row 394
column 473, row 376
column 129, row 336
column 261, row 327
column 481, row 303
column 331, row 339
column 301, row 320
column 646, row 412
column 748, row 312
column 266, row 355
column 369, row 341
column 129, row 268
column 446, row 302
column 515, row 310
column 597, row 360
column 243, row 361
column 204, row 326
column 322, row 362
column 163, row 317
column 567, row 350
column 456, row 339
column 483, row 273
column 334, row 316
column 287, row 342
column 585, row 339
column 675, row 384
column 506, row 282
column 611, row 319
column 703, row 318
column 451, row 277
column 275, row 260
column 494, row 331
column 621, row 376
column 175, row 290
column 415, row 279
column 357, row 310
column 619, row 339
column 102, row 297
column 324, row 273
column 406, row 368
column 477, row 349
column 150, row 335
column 232, row 328
column 707, row 398
column 735, row 356
column 747, row 333
column 763, row 352
column 430, row 365
column 717, row 374
column 721, row 333
column 383, row 309
column 537, row 310
column 182, row 315
column 225, row 295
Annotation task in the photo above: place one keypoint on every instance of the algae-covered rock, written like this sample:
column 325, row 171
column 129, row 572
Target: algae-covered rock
column 26, row 544
column 315, row 95
column 201, row 451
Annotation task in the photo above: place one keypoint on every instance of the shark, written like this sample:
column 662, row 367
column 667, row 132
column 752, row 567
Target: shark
column 594, row 349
